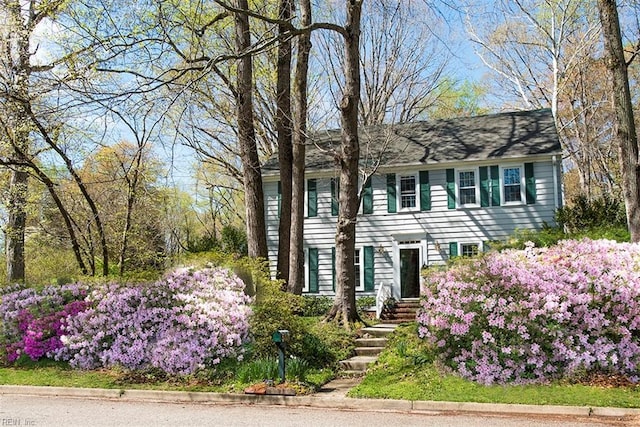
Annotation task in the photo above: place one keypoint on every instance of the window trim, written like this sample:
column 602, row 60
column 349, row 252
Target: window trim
column 305, row 285
column 476, row 176
column 523, row 190
column 416, row 192
column 306, row 288
column 462, row 244
column 359, row 252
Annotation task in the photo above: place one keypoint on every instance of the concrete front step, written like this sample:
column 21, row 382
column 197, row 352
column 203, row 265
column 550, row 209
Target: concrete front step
column 371, row 342
column 368, row 351
column 378, row 330
column 368, row 348
column 357, row 363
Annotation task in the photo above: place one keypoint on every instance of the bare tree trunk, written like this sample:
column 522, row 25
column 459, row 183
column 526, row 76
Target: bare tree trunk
column 132, row 190
column 254, row 196
column 285, row 154
column 16, row 224
column 344, row 307
column 81, row 186
column 16, row 54
column 626, row 131
column 296, row 260
column 66, row 216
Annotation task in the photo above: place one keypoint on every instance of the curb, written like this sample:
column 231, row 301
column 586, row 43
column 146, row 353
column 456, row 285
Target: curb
column 315, row 401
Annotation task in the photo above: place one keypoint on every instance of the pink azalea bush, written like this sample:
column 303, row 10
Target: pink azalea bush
column 534, row 315
column 186, row 321
column 32, row 320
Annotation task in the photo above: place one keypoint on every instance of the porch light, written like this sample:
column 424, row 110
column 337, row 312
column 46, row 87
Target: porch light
column 381, row 250
column 436, row 245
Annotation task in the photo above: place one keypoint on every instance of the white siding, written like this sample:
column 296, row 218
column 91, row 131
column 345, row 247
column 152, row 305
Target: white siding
column 436, row 227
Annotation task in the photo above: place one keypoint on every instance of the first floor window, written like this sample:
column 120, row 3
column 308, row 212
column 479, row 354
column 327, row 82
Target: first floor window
column 469, row 249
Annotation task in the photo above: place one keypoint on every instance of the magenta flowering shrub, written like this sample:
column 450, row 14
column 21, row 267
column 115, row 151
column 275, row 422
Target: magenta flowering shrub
column 184, row 322
column 537, row 314
column 32, row 320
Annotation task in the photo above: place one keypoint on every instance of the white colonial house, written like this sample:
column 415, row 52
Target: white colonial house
column 443, row 188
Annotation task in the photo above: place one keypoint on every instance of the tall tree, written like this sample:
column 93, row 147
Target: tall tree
column 296, row 261
column 284, row 130
column 623, row 107
column 402, row 62
column 538, row 52
column 15, row 39
column 344, row 307
column 254, row 196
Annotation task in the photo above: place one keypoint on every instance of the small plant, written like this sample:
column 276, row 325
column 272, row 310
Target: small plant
column 389, row 304
column 401, row 348
column 363, row 303
column 258, row 370
column 297, row 369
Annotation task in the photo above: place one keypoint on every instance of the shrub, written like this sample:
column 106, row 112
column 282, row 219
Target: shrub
column 537, row 314
column 275, row 310
column 585, row 214
column 32, row 320
column 325, row 344
column 315, row 306
column 184, row 322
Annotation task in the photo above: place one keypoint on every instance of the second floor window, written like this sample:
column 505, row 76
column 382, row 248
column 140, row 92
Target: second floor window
column 407, row 192
column 511, row 178
column 467, row 187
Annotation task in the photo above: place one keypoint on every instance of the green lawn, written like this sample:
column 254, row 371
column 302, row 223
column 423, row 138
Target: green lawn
column 54, row 374
column 404, row 372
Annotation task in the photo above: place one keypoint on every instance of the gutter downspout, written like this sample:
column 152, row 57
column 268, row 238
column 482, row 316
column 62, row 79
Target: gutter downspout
column 556, row 201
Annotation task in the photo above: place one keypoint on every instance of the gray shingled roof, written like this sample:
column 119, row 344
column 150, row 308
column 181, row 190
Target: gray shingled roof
column 494, row 136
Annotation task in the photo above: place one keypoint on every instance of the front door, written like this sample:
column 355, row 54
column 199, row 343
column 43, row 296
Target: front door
column 410, row 272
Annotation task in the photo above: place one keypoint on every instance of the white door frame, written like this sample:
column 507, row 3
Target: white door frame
column 406, row 242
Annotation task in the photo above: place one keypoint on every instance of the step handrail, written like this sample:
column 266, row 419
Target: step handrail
column 384, row 293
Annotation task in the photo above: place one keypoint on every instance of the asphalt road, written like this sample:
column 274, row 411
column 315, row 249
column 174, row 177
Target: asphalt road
column 35, row 411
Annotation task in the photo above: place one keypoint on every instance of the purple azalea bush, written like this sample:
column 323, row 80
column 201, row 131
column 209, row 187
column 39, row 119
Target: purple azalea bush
column 538, row 314
column 186, row 321
column 32, row 320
